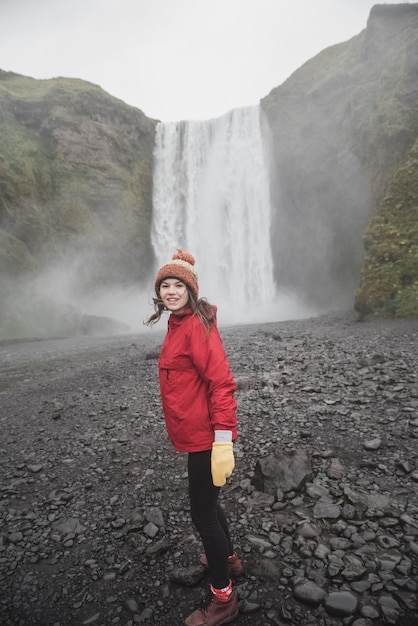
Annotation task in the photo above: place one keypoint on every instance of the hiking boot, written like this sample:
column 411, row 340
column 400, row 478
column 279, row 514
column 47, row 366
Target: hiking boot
column 215, row 612
column 234, row 564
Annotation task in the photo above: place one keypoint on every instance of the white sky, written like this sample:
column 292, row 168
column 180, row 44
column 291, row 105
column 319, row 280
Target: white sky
column 175, row 59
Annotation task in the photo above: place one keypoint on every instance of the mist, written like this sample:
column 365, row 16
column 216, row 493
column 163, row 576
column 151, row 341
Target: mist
column 52, row 306
column 211, row 197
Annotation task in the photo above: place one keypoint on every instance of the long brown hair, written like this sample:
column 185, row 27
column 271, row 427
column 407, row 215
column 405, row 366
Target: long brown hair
column 205, row 311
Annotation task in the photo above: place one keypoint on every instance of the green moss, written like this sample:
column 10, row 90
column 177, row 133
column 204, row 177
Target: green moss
column 75, row 175
column 389, row 281
column 31, row 90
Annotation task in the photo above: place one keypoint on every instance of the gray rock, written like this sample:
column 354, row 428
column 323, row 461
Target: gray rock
column 68, row 526
column 287, row 472
column 309, row 593
column 267, row 569
column 316, row 491
column 336, row 469
column 370, row 501
column 321, row 551
column 388, row 561
column 368, row 611
column 326, row 509
column 155, row 516
column 151, row 530
column 131, row 605
column 308, row 530
column 259, row 543
column 187, row 576
column 248, row 608
column 354, row 568
column 341, row 603
column 389, row 608
column 372, row 444
column 35, row 468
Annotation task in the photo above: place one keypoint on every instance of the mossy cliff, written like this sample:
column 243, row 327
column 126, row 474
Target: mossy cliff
column 75, row 174
column 389, row 279
column 75, row 186
column 342, row 127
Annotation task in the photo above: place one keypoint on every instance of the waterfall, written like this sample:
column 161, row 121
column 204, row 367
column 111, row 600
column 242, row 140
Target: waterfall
column 211, row 197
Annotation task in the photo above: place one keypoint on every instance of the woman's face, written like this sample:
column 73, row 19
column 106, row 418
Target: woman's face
column 174, row 294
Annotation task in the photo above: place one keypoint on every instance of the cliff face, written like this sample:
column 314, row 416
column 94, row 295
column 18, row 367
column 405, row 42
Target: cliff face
column 75, row 180
column 75, row 201
column 341, row 126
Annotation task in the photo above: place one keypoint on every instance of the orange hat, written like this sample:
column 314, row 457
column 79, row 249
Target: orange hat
column 182, row 267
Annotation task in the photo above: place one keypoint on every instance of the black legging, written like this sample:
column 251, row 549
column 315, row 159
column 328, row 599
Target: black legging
column 209, row 518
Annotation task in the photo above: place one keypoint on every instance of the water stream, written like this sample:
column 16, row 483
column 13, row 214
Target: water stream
column 211, row 197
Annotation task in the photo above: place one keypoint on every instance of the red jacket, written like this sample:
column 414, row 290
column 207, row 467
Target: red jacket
column 197, row 386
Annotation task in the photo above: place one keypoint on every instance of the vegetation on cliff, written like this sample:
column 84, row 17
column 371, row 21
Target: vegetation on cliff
column 389, row 279
column 75, row 179
column 75, row 195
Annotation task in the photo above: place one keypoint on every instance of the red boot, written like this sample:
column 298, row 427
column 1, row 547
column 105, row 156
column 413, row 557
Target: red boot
column 215, row 612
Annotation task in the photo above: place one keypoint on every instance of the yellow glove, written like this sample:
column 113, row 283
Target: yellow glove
column 222, row 461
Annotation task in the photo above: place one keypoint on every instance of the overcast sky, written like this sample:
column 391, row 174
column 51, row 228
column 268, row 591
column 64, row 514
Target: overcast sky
column 175, row 59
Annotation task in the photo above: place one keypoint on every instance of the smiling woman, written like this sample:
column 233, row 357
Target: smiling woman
column 197, row 392
column 174, row 295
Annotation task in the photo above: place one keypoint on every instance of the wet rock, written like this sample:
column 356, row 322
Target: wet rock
column 35, row 469
column 151, row 530
column 158, row 548
column 68, row 526
column 131, row 604
column 325, row 508
column 374, row 502
column 389, row 608
column 248, row 608
column 155, row 516
column 266, row 569
column 341, row 603
column 372, row 444
column 354, row 569
column 336, row 469
column 309, row 593
column 308, row 530
column 284, row 472
column 187, row 576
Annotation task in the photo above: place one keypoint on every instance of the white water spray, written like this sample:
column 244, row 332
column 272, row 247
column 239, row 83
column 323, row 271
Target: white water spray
column 211, row 197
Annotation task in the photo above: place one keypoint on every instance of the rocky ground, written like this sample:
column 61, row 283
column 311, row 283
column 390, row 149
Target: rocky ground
column 323, row 503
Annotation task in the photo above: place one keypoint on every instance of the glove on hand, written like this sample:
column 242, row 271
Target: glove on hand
column 222, row 462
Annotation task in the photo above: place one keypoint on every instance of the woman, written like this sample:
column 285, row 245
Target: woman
column 197, row 391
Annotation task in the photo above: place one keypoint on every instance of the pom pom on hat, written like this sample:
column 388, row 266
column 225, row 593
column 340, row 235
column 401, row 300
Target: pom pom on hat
column 182, row 267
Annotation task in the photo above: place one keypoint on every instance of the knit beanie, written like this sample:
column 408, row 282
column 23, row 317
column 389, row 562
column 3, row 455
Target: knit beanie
column 182, row 267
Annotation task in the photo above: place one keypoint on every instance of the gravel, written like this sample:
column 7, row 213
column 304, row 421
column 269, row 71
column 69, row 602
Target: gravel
column 94, row 519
